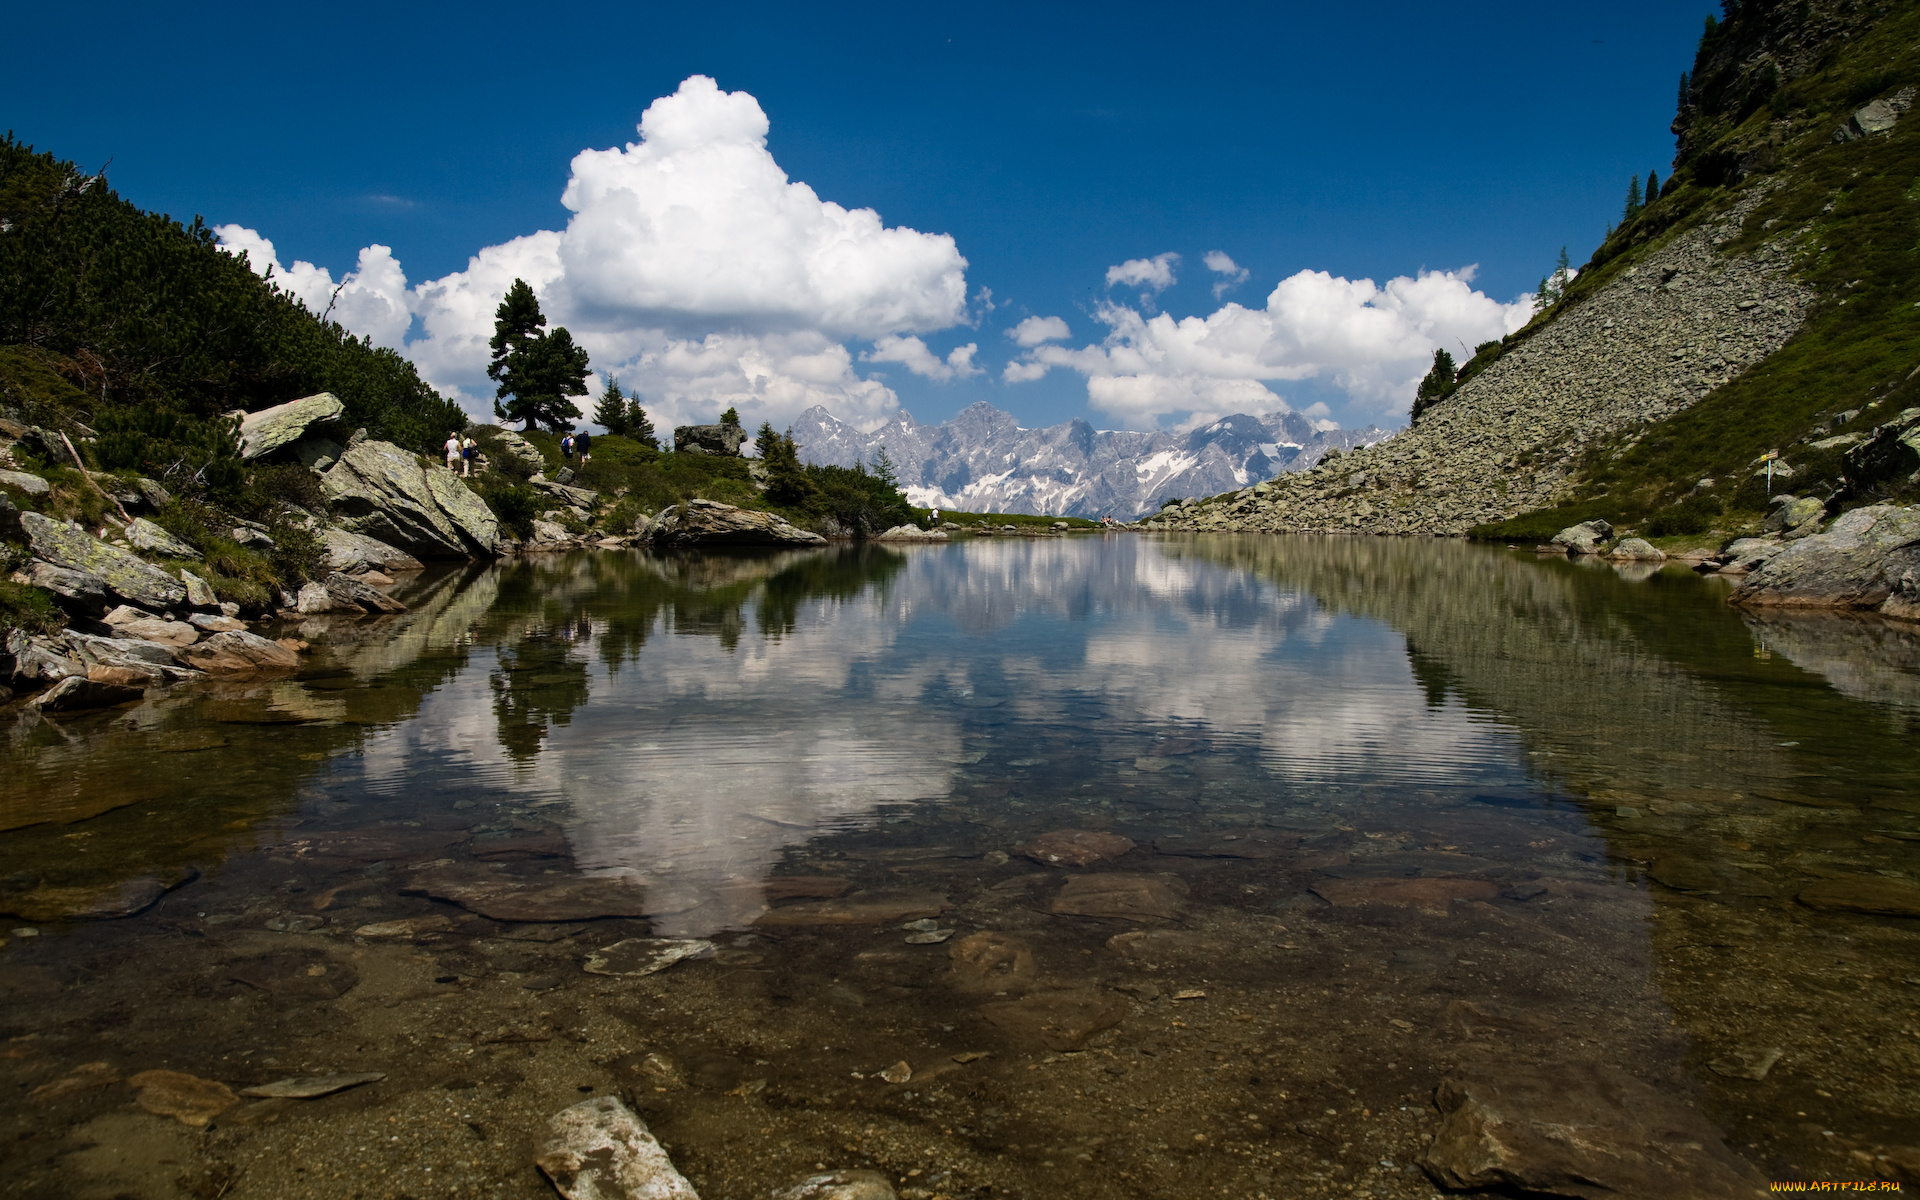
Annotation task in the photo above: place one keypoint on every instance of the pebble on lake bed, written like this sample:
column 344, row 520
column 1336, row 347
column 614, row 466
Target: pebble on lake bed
column 599, row 1150
column 186, row 1098
column 643, row 956
column 840, row 1185
column 311, row 1087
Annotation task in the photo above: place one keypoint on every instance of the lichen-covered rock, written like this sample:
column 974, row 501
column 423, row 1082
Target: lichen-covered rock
column 1863, row 560
column 199, row 591
column 145, row 535
column 383, row 492
column 125, row 574
column 356, row 553
column 1795, row 513
column 263, row 432
column 32, row 485
column 1892, row 452
column 710, row 523
column 910, row 533
column 238, row 652
column 33, row 662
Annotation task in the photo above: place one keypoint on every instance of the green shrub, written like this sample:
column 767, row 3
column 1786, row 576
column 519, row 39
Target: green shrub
column 513, row 503
column 1695, row 514
column 29, row 608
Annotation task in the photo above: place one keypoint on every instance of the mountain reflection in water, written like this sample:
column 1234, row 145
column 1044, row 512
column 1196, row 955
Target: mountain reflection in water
column 1369, row 781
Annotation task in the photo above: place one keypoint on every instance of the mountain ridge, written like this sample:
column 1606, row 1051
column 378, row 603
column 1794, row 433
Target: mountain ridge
column 983, row 460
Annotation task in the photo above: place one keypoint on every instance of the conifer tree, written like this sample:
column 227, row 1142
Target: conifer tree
column 611, row 413
column 1653, row 188
column 787, row 482
column 1436, row 385
column 730, row 417
column 1686, row 92
column 538, row 370
column 882, row 467
column 639, row 428
column 1633, row 200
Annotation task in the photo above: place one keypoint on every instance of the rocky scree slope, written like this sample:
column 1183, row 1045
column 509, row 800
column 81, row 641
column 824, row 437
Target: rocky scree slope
column 1763, row 302
column 1658, row 337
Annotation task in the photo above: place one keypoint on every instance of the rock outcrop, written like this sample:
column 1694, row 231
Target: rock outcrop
column 724, row 440
column 271, row 429
column 910, row 533
column 356, row 554
column 383, row 492
column 1656, row 338
column 239, row 653
column 710, row 523
column 1868, row 559
column 125, row 575
column 1584, row 538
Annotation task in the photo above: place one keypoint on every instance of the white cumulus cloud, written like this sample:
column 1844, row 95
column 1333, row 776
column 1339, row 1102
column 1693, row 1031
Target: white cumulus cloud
column 1035, row 330
column 912, row 353
column 371, row 300
column 1232, row 273
column 1372, row 341
column 692, row 267
column 1155, row 273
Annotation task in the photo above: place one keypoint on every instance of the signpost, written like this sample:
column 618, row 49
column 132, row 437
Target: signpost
column 1768, row 458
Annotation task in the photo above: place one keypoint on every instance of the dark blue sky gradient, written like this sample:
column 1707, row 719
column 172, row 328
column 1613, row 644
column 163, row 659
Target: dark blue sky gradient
column 1051, row 141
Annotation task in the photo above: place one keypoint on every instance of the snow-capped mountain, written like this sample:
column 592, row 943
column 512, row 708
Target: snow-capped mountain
column 983, row 461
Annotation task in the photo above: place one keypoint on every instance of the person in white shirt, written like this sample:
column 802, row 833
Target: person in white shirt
column 453, row 451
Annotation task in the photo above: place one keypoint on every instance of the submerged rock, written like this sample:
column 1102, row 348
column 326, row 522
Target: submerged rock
column 839, row 1185
column 1431, row 895
column 110, row 901
column 877, row 907
column 309, row 1087
column 1579, row 1130
column 710, row 523
column 643, row 956
column 599, row 1150
column 1059, row 1020
column 1127, row 897
column 126, row 575
column 506, row 897
column 1876, row 895
column 188, row 1099
column 989, row 963
column 1075, row 847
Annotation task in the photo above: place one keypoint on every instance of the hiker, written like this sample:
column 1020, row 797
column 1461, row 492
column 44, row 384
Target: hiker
column 583, row 442
column 566, row 447
column 933, row 519
column 453, row 450
column 469, row 450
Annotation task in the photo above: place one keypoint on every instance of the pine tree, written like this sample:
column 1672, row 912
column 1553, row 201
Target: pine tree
column 1633, row 200
column 611, row 413
column 730, row 418
column 1653, row 188
column 1436, row 385
column 639, row 428
column 538, row 370
column 882, row 467
column 1686, row 92
column 787, row 482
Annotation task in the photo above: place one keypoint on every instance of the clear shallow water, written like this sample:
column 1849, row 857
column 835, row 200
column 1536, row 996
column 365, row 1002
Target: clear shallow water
column 1397, row 809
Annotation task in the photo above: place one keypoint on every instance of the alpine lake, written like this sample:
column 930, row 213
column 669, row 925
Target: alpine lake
column 1102, row 866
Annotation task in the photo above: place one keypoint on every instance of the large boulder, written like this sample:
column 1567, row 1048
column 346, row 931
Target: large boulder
column 710, row 523
column 74, row 693
column 263, row 432
column 32, row 485
column 1797, row 516
column 31, row 662
column 724, row 440
column 383, row 492
column 910, row 533
column 1584, row 538
column 1868, row 558
column 514, row 446
column 125, row 574
column 78, row 593
column 1637, row 550
column 356, row 553
column 238, row 652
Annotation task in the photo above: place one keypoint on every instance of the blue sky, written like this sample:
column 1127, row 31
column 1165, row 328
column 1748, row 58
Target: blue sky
column 1051, row 142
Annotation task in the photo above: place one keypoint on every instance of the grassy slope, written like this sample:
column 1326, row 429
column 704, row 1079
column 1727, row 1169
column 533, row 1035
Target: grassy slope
column 1853, row 212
